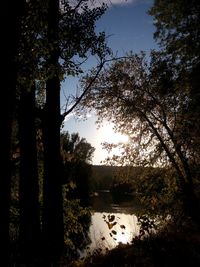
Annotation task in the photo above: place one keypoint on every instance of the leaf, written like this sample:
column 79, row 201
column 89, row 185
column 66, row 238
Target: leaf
column 111, row 218
column 109, row 225
column 114, row 232
column 72, row 185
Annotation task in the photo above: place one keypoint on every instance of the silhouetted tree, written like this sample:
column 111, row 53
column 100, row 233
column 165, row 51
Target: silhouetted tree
column 70, row 33
column 142, row 101
column 28, row 60
column 11, row 31
column 28, row 184
column 77, row 155
column 178, row 34
column 49, row 42
column 52, row 195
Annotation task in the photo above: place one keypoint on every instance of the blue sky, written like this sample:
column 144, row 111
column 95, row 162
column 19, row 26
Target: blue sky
column 129, row 27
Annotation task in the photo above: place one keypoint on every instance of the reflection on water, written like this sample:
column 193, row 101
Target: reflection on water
column 106, row 202
column 112, row 222
column 106, row 235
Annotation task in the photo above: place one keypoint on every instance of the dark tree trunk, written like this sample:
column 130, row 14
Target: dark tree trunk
column 5, row 165
column 52, row 195
column 28, row 184
column 11, row 11
column 184, row 178
column 53, row 229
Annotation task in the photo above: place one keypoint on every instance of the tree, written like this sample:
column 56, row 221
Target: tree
column 29, row 223
column 77, row 155
column 29, row 183
column 76, row 149
column 49, row 41
column 70, row 34
column 145, row 102
column 156, row 104
column 178, row 33
column 53, row 230
column 10, row 44
column 177, row 30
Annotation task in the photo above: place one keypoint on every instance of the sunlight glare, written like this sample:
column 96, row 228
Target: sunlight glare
column 123, row 238
column 114, row 137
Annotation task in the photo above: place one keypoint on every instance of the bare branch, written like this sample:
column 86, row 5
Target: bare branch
column 99, row 67
column 84, row 92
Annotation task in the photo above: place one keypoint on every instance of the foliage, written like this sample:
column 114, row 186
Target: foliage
column 128, row 93
column 177, row 30
column 75, row 43
column 41, row 50
column 144, row 101
column 170, row 247
column 76, row 224
column 102, row 177
column 77, row 155
column 76, row 218
column 158, row 191
column 121, row 189
column 75, row 149
column 155, row 103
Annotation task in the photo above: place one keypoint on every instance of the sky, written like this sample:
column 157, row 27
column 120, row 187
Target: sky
column 129, row 28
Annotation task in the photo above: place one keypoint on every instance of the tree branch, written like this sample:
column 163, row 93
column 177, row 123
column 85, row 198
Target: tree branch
column 181, row 179
column 100, row 67
column 85, row 91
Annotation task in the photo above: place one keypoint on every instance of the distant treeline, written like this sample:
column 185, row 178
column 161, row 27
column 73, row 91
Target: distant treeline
column 105, row 177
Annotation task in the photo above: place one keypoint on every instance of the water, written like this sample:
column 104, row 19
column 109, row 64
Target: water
column 113, row 222
column 107, row 235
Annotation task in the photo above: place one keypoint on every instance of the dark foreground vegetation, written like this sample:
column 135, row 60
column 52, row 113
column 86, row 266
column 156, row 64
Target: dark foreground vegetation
column 44, row 183
column 173, row 244
column 167, row 249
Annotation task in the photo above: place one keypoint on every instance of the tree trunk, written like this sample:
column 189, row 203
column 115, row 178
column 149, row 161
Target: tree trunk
column 184, row 178
column 53, row 229
column 11, row 10
column 52, row 194
column 28, row 184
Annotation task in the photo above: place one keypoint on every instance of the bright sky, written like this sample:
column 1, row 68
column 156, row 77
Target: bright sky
column 129, row 27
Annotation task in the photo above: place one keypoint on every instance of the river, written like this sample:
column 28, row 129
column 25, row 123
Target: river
column 113, row 221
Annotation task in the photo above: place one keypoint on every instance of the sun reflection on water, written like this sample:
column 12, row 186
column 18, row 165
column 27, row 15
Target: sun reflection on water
column 108, row 230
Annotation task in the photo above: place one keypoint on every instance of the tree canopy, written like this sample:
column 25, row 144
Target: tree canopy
column 153, row 99
column 177, row 29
